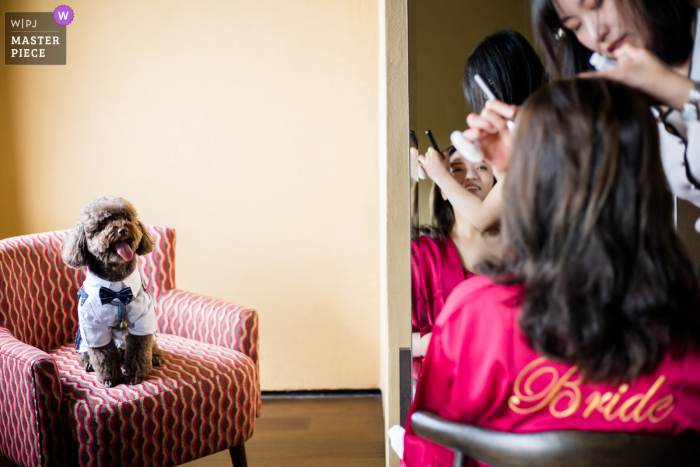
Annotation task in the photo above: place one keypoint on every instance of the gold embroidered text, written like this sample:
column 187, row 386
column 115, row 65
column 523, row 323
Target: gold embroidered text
column 562, row 395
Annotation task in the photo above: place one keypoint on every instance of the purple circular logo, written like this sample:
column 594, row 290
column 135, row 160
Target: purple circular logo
column 63, row 15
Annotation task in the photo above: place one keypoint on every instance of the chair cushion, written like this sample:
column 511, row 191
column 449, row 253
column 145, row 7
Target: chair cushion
column 199, row 401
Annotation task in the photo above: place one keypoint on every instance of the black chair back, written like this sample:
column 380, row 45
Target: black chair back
column 556, row 448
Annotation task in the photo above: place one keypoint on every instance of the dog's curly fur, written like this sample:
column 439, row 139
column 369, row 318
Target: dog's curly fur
column 102, row 224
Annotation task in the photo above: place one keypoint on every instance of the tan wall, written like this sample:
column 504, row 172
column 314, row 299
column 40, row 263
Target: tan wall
column 394, row 218
column 442, row 35
column 251, row 128
column 10, row 216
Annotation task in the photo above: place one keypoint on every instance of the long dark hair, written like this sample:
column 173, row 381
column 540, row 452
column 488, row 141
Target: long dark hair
column 588, row 228
column 510, row 66
column 669, row 23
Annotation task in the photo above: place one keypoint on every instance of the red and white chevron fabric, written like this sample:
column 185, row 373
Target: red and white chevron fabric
column 209, row 320
column 30, row 404
column 158, row 268
column 38, row 298
column 199, row 401
column 203, row 399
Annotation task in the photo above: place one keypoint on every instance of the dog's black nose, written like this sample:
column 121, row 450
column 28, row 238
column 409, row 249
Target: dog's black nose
column 122, row 231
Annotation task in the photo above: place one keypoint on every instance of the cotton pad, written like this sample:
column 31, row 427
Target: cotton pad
column 602, row 63
column 466, row 148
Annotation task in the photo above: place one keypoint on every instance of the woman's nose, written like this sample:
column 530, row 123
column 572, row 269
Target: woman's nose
column 597, row 30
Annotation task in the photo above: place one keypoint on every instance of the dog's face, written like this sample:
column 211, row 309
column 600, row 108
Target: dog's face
column 107, row 237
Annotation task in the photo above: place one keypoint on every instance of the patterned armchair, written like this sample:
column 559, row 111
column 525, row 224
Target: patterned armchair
column 203, row 398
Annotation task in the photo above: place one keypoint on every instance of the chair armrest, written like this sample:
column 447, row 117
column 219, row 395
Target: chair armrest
column 561, row 447
column 212, row 321
column 209, row 320
column 31, row 403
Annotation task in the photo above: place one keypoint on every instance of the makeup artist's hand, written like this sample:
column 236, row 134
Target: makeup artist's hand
column 490, row 129
column 640, row 69
column 436, row 165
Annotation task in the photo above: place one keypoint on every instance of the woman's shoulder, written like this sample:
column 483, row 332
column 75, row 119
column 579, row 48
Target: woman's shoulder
column 481, row 302
column 486, row 291
column 429, row 241
column 430, row 249
column 435, row 246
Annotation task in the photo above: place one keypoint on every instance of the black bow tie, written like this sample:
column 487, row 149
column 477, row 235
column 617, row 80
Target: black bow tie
column 108, row 295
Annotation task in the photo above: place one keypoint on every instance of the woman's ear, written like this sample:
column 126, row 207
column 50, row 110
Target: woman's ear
column 146, row 244
column 75, row 252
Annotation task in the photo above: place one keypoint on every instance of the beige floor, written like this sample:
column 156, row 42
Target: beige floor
column 328, row 432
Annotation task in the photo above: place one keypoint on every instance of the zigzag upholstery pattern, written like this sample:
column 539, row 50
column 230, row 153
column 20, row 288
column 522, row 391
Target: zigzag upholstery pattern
column 209, row 320
column 200, row 401
column 158, row 268
column 61, row 417
column 30, row 403
column 38, row 292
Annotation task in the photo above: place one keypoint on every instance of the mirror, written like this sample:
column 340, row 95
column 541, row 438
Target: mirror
column 441, row 37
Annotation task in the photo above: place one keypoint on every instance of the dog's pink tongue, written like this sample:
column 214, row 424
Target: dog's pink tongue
column 124, row 251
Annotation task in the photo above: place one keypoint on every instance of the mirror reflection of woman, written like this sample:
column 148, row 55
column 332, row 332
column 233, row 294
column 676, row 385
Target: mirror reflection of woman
column 449, row 249
column 450, row 226
column 466, row 206
column 656, row 47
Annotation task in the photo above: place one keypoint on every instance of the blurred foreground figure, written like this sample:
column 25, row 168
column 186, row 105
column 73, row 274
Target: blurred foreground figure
column 591, row 319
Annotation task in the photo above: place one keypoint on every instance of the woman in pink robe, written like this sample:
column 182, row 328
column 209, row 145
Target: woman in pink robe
column 591, row 321
column 439, row 258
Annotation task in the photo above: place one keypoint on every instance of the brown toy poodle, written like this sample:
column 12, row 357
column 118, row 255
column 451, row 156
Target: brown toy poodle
column 117, row 321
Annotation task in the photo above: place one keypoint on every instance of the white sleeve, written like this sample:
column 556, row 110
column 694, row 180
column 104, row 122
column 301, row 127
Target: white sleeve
column 693, row 151
column 673, row 157
column 692, row 154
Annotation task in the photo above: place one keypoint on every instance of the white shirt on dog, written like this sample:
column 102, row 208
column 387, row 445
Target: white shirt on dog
column 97, row 322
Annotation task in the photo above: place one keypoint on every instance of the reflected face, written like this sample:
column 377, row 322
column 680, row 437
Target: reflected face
column 599, row 24
column 476, row 178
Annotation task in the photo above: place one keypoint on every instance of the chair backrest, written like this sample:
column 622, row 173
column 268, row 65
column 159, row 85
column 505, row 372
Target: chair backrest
column 38, row 292
column 557, row 448
column 158, row 268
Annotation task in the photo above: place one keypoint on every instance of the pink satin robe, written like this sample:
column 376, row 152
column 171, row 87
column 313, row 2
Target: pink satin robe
column 435, row 271
column 481, row 370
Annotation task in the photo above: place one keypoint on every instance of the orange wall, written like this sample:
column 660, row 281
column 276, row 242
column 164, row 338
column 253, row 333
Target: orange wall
column 251, row 128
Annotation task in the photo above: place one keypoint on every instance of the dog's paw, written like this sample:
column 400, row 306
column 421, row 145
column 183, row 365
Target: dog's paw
column 134, row 380
column 110, row 383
